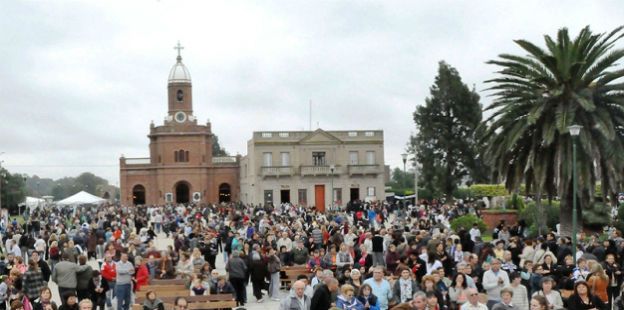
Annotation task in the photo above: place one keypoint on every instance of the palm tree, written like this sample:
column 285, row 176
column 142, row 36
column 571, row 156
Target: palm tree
column 536, row 98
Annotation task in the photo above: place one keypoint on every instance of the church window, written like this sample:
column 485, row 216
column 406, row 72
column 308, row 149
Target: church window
column 181, row 156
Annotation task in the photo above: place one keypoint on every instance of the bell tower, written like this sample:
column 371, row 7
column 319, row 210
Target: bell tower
column 179, row 89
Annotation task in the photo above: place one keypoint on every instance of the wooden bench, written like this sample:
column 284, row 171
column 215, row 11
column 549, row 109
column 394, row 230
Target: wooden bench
column 289, row 274
column 198, row 305
column 218, row 301
column 167, row 282
column 164, row 287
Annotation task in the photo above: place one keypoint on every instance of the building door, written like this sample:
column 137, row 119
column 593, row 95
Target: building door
column 319, row 197
column 183, row 193
column 138, row 195
column 225, row 194
column 354, row 194
column 268, row 197
column 285, row 196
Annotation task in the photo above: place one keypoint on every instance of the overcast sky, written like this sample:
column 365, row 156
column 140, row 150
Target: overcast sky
column 80, row 81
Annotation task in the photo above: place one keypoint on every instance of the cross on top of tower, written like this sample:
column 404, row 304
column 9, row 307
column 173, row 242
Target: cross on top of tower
column 179, row 48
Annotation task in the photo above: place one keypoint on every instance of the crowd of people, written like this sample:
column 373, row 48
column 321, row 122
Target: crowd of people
column 366, row 256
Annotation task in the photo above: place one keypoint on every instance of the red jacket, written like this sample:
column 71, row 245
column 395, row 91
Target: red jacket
column 109, row 271
column 142, row 276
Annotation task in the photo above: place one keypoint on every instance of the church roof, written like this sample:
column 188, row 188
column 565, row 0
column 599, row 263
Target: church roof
column 179, row 73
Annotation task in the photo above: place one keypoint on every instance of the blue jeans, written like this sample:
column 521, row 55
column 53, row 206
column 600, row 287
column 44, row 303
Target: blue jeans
column 124, row 296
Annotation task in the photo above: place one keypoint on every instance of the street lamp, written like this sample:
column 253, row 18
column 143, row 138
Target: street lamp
column 404, row 156
column 331, row 170
column 575, row 130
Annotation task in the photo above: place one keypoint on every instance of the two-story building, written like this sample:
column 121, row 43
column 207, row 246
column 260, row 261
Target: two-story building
column 301, row 167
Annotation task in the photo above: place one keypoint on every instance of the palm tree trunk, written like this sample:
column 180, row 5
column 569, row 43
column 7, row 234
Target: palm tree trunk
column 540, row 213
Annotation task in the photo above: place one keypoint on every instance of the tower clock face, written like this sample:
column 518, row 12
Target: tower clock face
column 180, row 95
column 180, row 117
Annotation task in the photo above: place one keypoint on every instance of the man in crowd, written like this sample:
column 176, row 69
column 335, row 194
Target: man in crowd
column 64, row 275
column 123, row 285
column 297, row 300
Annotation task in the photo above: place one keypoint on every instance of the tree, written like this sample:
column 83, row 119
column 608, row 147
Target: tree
column 401, row 181
column 536, row 98
column 217, row 150
column 12, row 191
column 445, row 142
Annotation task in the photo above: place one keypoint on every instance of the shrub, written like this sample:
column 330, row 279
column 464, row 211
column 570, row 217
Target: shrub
column 462, row 193
column 488, row 190
column 530, row 215
column 596, row 216
column 466, row 222
column 515, row 202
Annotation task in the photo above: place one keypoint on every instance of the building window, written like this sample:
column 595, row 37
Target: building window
column 267, row 159
column 369, row 134
column 283, row 135
column 370, row 157
column 352, row 133
column 285, row 156
column 181, row 156
column 303, row 197
column 318, row 158
column 370, row 191
column 353, row 157
column 267, row 135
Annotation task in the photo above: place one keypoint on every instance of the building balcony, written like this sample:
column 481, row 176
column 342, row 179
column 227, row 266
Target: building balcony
column 145, row 161
column 277, row 171
column 319, row 170
column 365, row 170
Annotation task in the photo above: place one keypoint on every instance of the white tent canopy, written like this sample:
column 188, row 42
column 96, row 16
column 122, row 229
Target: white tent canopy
column 33, row 202
column 82, row 198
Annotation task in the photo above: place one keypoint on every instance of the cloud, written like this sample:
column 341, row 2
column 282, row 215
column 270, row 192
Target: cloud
column 80, row 81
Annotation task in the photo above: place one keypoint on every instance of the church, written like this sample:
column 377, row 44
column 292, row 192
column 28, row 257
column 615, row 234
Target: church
column 181, row 167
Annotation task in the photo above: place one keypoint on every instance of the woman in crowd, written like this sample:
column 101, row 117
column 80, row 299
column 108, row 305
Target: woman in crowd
column 152, row 302
column 458, row 291
column 583, row 299
column 347, row 300
column 539, row 303
column 554, row 298
column 367, row 298
column 598, row 283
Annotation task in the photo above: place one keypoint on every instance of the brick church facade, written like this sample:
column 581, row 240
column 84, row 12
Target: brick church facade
column 181, row 167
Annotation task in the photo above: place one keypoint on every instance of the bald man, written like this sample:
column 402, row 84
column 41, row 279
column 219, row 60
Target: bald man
column 473, row 301
column 297, row 299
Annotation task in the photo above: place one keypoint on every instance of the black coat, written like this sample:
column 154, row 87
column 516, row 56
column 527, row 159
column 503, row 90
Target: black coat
column 258, row 269
column 575, row 303
column 98, row 296
column 45, row 270
column 321, row 300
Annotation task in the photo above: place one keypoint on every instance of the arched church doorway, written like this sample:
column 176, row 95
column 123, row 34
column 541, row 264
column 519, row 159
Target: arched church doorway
column 183, row 192
column 138, row 195
column 225, row 194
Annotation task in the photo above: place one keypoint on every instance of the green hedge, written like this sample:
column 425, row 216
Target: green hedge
column 466, row 222
column 488, row 190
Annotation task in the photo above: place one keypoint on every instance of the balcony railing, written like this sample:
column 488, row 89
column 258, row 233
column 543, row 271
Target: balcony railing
column 319, row 170
column 224, row 160
column 364, row 169
column 138, row 161
column 277, row 171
